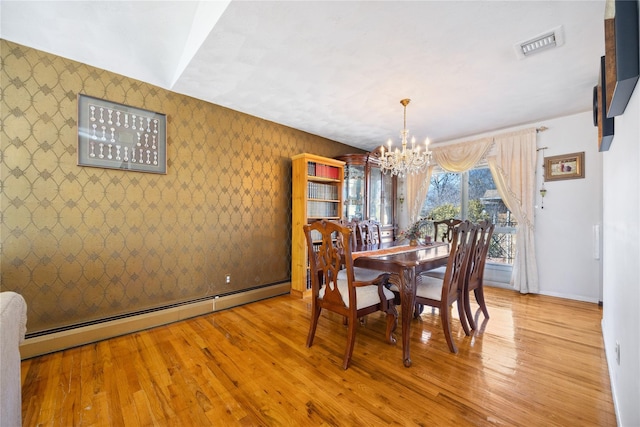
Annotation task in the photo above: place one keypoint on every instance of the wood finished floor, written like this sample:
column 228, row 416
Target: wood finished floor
column 538, row 361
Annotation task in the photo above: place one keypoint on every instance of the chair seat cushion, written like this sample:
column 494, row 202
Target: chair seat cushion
column 366, row 296
column 361, row 274
column 428, row 287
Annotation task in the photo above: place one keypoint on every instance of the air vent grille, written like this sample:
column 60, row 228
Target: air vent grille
column 545, row 42
column 542, row 42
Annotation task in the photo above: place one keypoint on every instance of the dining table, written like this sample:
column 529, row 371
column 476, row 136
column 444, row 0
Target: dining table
column 404, row 262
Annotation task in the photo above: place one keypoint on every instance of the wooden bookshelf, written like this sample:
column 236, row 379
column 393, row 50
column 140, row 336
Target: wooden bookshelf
column 317, row 193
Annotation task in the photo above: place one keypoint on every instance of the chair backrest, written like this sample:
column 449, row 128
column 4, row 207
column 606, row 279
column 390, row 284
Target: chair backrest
column 448, row 226
column 484, row 231
column 329, row 251
column 353, row 225
column 370, row 233
column 462, row 241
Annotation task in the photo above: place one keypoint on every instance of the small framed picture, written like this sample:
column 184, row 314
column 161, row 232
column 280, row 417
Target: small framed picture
column 567, row 166
column 117, row 136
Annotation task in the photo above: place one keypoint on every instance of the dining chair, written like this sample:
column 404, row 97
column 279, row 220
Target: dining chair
column 361, row 235
column 475, row 276
column 448, row 225
column 370, row 232
column 353, row 226
column 349, row 291
column 442, row 293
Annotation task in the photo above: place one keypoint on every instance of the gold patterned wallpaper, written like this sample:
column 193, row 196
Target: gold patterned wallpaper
column 83, row 244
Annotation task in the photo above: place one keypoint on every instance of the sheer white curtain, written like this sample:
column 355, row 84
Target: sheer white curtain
column 417, row 186
column 513, row 166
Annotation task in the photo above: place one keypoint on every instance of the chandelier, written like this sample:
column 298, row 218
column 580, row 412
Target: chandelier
column 405, row 161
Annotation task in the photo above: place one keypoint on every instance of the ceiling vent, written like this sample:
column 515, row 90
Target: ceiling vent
column 545, row 41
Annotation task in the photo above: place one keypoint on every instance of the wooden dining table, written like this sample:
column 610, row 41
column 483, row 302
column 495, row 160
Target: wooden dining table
column 406, row 262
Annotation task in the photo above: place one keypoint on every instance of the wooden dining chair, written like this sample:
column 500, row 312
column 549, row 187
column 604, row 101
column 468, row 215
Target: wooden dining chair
column 442, row 293
column 365, row 232
column 475, row 276
column 370, row 232
column 349, row 291
column 442, row 232
column 448, row 225
column 353, row 226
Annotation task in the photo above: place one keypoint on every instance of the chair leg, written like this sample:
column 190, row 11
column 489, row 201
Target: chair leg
column 418, row 310
column 479, row 293
column 463, row 316
column 351, row 341
column 445, row 319
column 467, row 309
column 392, row 321
column 315, row 315
column 468, row 314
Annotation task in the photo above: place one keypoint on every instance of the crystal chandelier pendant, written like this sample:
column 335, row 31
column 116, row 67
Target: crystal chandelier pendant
column 404, row 161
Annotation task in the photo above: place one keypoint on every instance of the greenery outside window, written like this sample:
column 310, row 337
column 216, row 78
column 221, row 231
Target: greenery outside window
column 473, row 195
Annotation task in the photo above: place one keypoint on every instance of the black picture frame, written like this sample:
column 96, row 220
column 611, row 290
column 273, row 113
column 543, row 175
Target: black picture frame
column 118, row 136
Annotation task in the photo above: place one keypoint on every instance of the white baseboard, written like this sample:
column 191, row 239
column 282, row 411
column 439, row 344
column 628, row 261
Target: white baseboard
column 570, row 296
column 57, row 341
column 549, row 294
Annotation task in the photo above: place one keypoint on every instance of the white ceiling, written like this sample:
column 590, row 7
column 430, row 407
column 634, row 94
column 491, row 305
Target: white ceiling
column 338, row 69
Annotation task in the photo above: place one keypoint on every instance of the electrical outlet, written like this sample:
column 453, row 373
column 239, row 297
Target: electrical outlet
column 228, row 278
column 618, row 352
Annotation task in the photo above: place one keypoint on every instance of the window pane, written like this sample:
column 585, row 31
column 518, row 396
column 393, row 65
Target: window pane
column 486, row 203
column 503, row 247
column 483, row 196
column 445, row 198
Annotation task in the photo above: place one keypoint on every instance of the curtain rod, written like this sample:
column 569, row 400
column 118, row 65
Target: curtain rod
column 541, row 129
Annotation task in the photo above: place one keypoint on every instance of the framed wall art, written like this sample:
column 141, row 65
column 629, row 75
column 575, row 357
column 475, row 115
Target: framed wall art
column 117, row 136
column 567, row 166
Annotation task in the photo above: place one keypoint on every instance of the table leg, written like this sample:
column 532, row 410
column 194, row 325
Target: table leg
column 408, row 294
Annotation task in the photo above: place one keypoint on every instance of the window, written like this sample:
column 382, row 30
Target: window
column 473, row 195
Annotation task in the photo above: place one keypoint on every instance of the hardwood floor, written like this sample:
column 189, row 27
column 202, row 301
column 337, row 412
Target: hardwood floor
column 538, row 361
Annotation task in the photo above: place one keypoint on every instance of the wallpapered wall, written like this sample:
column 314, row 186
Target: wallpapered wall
column 82, row 244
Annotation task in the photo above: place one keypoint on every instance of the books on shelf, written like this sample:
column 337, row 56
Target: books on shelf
column 323, row 171
column 317, row 190
column 322, row 209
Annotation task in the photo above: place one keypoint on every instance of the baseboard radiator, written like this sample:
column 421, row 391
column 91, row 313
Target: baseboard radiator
column 74, row 337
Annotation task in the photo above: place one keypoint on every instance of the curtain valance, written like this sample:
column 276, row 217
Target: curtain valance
column 462, row 156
